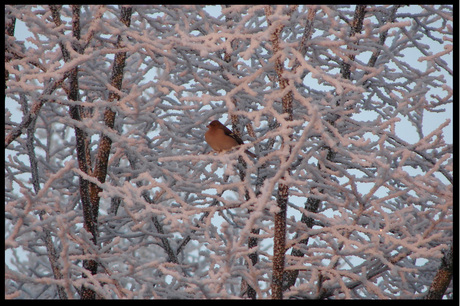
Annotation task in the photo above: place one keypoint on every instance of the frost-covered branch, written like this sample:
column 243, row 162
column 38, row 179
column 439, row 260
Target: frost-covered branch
column 348, row 109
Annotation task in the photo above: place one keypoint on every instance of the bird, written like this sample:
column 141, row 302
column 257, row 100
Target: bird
column 220, row 138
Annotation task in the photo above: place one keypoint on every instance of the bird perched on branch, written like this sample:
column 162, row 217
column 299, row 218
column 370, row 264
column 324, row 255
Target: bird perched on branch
column 220, row 138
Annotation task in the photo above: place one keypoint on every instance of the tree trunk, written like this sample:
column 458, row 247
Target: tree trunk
column 279, row 247
column 442, row 279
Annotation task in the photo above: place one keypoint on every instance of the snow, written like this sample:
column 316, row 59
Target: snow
column 375, row 149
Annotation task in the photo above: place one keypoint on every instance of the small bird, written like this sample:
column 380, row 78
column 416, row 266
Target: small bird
column 220, row 138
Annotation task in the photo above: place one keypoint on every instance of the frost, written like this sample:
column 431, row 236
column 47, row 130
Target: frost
column 357, row 123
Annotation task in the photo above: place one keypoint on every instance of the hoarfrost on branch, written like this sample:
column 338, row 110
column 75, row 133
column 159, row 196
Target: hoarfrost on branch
column 347, row 108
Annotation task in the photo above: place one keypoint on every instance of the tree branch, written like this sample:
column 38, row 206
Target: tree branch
column 279, row 247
